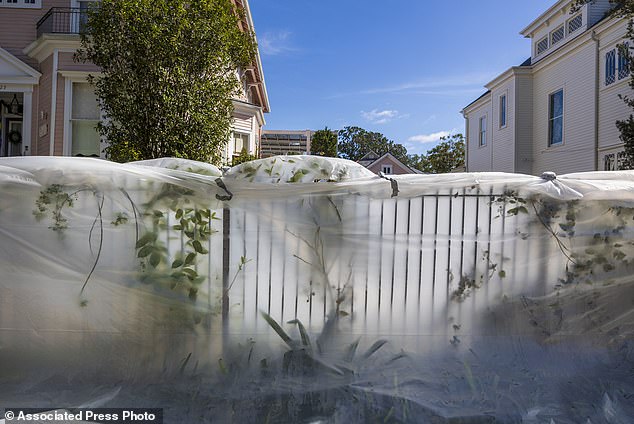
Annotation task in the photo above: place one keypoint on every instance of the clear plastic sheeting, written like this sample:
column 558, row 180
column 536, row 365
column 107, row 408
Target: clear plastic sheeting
column 303, row 289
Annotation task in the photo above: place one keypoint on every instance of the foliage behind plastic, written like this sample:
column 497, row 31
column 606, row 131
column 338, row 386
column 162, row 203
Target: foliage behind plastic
column 310, row 289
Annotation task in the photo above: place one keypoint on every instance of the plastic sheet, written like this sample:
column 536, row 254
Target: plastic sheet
column 305, row 289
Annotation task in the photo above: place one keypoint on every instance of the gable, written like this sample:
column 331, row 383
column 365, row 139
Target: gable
column 13, row 70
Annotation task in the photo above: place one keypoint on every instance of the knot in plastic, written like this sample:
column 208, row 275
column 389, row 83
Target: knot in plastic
column 549, row 176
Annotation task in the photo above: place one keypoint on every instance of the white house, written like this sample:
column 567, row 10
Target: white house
column 557, row 110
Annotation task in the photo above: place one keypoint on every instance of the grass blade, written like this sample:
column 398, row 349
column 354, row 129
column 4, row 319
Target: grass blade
column 351, row 351
column 376, row 346
column 302, row 332
column 279, row 330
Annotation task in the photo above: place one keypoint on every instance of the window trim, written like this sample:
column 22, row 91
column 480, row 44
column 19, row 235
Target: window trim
column 503, row 110
column 71, row 77
column 482, row 141
column 551, row 119
column 233, row 138
column 389, row 167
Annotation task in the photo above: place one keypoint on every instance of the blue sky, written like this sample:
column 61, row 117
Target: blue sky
column 402, row 68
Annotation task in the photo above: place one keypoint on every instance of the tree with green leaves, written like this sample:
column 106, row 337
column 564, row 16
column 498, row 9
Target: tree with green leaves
column 324, row 143
column 623, row 9
column 355, row 142
column 168, row 74
column 447, row 156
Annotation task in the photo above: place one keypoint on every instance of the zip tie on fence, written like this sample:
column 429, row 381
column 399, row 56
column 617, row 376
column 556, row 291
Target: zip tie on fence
column 222, row 197
column 549, row 176
column 393, row 182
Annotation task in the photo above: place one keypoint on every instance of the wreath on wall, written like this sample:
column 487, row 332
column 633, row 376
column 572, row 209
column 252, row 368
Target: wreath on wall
column 14, row 137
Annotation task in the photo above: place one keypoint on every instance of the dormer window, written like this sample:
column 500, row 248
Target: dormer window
column 575, row 23
column 557, row 35
column 542, row 45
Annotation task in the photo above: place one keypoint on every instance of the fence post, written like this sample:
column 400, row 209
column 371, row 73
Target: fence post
column 226, row 253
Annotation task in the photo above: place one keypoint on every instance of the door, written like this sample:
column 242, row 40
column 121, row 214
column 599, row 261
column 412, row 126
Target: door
column 12, row 138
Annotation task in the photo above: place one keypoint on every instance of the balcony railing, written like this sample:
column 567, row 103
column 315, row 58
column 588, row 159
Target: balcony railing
column 61, row 20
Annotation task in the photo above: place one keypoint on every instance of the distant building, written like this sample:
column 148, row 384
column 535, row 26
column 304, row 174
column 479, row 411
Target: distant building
column 557, row 110
column 285, row 142
column 387, row 164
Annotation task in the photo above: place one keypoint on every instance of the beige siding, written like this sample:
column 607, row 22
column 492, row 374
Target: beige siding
column 576, row 75
column 523, row 124
column 18, row 28
column 67, row 63
column 479, row 156
column 59, row 118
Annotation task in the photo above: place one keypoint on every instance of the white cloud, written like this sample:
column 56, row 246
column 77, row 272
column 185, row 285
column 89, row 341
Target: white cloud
column 376, row 116
column 275, row 42
column 460, row 81
column 457, row 85
column 430, row 138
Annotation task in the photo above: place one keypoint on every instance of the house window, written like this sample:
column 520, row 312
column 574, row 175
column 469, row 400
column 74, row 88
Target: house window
column 483, row 131
column 575, row 23
column 556, row 118
column 557, row 35
column 614, row 161
column 610, row 67
column 624, row 61
column 85, row 116
column 240, row 142
column 542, row 45
column 31, row 4
column 386, row 169
column 503, row 111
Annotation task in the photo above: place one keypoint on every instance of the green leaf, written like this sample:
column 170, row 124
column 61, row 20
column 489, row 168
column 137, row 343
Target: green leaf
column 190, row 258
column 502, row 274
column 298, row 175
column 177, row 263
column 147, row 238
column 191, row 274
column 179, row 214
column 199, row 247
column 145, row 251
column 199, row 280
column 155, row 259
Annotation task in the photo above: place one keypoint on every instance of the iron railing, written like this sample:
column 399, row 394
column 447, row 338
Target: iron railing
column 62, row 20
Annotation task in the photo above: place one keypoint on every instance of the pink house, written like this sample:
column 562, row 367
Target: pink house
column 47, row 106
